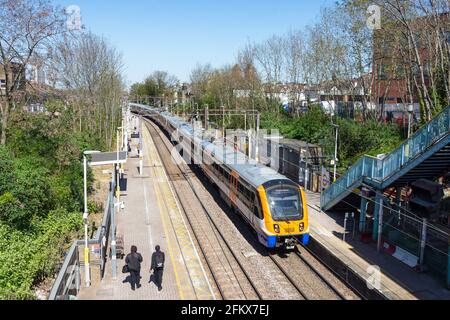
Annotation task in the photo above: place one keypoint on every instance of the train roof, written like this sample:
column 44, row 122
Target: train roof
column 252, row 171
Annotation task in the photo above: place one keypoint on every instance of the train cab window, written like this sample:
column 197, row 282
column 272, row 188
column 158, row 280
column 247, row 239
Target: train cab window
column 285, row 203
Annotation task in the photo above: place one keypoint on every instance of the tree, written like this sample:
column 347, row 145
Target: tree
column 200, row 77
column 91, row 70
column 158, row 84
column 27, row 29
column 421, row 27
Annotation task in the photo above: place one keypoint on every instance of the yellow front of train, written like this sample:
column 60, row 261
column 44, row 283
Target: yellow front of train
column 285, row 216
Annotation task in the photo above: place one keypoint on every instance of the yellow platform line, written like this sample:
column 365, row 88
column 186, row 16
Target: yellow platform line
column 197, row 274
column 160, row 201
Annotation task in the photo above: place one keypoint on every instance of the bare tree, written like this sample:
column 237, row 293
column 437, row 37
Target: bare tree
column 422, row 26
column 92, row 70
column 294, row 52
column 200, row 78
column 269, row 56
column 27, row 28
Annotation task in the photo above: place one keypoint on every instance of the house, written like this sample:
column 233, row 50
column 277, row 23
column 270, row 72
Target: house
column 292, row 96
column 183, row 93
column 344, row 96
column 2, row 82
column 15, row 69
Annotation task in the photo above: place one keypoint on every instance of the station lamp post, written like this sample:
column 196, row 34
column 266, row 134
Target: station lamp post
column 336, row 150
column 117, row 165
column 85, row 219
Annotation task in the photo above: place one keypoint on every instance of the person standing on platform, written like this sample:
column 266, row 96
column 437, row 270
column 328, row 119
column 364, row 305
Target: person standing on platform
column 158, row 259
column 134, row 260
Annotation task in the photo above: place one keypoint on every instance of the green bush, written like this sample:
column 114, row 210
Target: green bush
column 26, row 258
column 41, row 198
column 355, row 139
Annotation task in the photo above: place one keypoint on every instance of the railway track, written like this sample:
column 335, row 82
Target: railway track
column 313, row 280
column 230, row 278
column 301, row 275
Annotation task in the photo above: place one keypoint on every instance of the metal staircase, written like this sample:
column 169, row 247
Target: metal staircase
column 424, row 155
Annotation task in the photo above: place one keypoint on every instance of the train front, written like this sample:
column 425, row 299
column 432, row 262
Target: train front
column 285, row 214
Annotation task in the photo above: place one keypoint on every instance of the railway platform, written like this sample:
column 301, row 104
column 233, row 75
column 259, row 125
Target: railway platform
column 152, row 217
column 359, row 259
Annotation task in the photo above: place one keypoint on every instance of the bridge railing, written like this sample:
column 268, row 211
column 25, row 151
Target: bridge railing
column 379, row 170
column 68, row 282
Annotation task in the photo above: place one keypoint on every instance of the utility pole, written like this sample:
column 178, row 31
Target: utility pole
column 223, row 120
column 206, row 118
column 113, row 231
column 85, row 219
column 258, row 119
column 118, row 169
column 380, row 223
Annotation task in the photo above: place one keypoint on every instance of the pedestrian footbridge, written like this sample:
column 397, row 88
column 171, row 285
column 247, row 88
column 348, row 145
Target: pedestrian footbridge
column 426, row 155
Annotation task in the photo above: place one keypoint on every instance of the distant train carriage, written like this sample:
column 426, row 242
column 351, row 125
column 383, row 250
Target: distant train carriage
column 273, row 205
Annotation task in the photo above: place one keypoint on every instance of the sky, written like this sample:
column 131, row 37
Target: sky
column 176, row 35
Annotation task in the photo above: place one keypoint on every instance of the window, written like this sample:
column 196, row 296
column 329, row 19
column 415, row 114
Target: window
column 285, row 203
column 2, row 84
column 257, row 207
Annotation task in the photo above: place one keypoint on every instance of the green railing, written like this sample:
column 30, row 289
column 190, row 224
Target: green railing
column 379, row 170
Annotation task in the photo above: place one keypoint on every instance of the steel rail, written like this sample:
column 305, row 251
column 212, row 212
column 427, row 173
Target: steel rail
column 208, row 215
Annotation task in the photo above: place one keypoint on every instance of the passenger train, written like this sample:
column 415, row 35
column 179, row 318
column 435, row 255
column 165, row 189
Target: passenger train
column 273, row 205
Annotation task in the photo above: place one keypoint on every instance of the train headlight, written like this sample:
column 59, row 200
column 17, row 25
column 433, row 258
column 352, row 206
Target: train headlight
column 302, row 226
column 276, row 228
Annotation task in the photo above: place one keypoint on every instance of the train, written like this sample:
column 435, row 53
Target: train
column 274, row 206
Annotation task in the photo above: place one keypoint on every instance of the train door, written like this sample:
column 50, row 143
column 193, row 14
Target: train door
column 234, row 177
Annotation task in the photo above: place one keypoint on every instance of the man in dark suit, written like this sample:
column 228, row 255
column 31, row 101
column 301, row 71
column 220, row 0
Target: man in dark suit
column 158, row 259
column 134, row 260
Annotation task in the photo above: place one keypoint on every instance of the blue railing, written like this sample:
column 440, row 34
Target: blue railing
column 379, row 170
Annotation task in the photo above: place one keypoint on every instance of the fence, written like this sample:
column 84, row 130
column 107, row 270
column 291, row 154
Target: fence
column 403, row 230
column 68, row 282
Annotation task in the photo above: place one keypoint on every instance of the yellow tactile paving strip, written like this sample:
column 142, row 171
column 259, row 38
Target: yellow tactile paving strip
column 191, row 278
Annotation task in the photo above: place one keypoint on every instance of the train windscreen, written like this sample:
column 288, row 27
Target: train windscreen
column 285, row 203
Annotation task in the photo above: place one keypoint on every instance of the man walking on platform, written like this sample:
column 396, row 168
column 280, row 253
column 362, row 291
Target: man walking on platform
column 158, row 259
column 133, row 261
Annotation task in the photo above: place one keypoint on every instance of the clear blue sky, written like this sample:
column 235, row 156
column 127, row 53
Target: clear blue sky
column 175, row 35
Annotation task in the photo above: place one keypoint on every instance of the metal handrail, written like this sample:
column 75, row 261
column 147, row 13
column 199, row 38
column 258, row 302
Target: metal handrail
column 61, row 286
column 72, row 255
column 380, row 170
